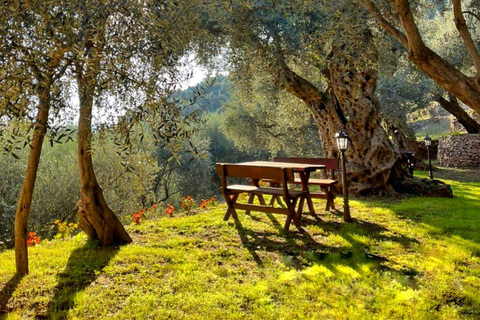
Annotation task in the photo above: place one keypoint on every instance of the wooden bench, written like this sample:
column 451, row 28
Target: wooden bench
column 326, row 185
column 255, row 174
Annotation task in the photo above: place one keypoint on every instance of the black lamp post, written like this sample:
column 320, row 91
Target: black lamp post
column 428, row 143
column 342, row 144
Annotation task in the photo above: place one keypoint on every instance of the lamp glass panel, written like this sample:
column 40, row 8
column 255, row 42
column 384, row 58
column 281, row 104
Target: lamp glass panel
column 342, row 143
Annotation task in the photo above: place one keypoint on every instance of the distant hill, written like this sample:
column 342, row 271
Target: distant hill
column 214, row 97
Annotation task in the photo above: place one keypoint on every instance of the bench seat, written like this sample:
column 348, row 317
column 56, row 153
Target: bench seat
column 312, row 181
column 240, row 188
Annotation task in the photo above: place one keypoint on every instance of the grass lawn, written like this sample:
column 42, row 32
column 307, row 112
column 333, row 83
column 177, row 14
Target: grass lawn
column 410, row 258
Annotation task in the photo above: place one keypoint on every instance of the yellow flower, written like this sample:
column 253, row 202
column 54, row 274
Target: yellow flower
column 75, row 226
column 57, row 221
column 70, row 224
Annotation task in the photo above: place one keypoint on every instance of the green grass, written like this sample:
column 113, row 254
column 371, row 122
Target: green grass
column 410, row 258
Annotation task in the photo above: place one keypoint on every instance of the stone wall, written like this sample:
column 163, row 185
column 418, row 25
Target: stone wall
column 459, row 151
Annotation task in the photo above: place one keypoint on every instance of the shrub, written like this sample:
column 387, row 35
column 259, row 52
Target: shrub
column 188, row 204
column 65, row 230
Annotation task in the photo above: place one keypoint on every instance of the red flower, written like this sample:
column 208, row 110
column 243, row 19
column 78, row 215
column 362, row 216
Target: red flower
column 170, row 210
column 32, row 239
column 137, row 217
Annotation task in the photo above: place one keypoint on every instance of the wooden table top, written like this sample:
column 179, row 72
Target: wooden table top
column 295, row 166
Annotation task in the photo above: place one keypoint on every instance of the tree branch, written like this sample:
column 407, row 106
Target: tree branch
column 416, row 46
column 386, row 25
column 459, row 113
column 466, row 36
column 472, row 14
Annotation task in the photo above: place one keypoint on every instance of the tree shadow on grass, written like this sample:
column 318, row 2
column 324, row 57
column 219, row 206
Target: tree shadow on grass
column 7, row 292
column 300, row 249
column 83, row 268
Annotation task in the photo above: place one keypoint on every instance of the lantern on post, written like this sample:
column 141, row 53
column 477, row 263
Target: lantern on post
column 342, row 145
column 428, row 143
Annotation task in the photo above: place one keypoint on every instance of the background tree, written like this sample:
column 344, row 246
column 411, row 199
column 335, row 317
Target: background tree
column 397, row 18
column 32, row 56
column 126, row 62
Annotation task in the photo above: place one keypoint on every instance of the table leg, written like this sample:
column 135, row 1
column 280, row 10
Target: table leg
column 251, row 197
column 304, row 178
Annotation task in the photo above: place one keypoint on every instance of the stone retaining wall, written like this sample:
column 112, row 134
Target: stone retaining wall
column 459, row 151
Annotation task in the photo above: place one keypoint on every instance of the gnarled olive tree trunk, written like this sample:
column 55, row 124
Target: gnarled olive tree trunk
column 26, row 194
column 95, row 216
column 349, row 104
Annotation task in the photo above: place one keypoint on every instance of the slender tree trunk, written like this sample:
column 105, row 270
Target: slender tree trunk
column 26, row 194
column 95, row 216
column 457, row 111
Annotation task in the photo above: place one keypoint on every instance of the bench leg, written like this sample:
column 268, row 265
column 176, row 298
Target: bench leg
column 300, row 208
column 230, row 209
column 301, row 204
column 272, row 201
column 278, row 199
column 292, row 216
column 251, row 197
column 330, row 199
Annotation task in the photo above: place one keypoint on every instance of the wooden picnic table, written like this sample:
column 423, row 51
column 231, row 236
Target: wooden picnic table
column 302, row 169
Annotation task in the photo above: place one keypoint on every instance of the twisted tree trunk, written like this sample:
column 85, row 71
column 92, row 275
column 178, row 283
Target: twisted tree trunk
column 26, row 194
column 446, row 75
column 349, row 104
column 95, row 216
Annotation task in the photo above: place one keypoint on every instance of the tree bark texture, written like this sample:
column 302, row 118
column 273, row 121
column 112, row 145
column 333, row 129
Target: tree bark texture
column 458, row 112
column 26, row 193
column 95, row 216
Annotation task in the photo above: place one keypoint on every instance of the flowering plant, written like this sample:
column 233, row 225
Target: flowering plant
column 32, row 239
column 170, row 210
column 137, row 217
column 188, row 204
column 208, row 202
column 65, row 230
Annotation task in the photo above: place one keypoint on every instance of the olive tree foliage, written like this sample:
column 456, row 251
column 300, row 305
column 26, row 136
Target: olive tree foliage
column 407, row 23
column 125, row 62
column 264, row 118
